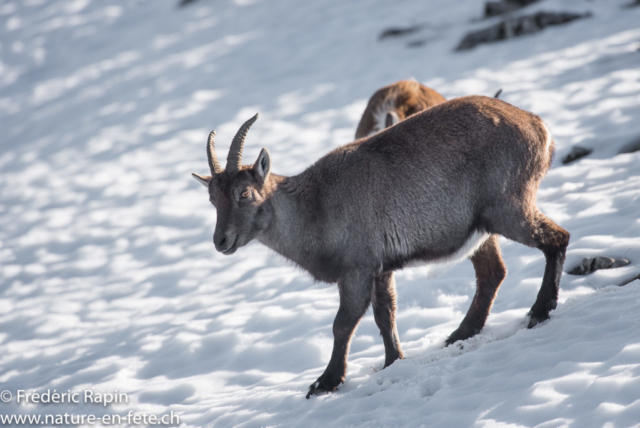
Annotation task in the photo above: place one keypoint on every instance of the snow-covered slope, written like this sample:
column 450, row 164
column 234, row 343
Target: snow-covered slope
column 108, row 276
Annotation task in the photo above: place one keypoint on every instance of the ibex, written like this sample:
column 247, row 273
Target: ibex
column 430, row 188
column 393, row 103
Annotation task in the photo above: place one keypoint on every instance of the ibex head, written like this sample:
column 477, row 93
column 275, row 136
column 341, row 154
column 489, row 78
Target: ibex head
column 238, row 193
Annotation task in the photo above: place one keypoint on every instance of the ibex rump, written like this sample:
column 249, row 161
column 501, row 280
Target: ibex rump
column 418, row 191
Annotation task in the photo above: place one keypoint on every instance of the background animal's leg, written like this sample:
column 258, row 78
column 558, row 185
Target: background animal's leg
column 539, row 231
column 355, row 296
column 490, row 272
column 384, row 312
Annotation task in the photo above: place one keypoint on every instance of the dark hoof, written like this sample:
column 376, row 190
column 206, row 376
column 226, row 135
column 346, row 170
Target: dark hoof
column 390, row 360
column 537, row 319
column 540, row 313
column 322, row 385
column 461, row 333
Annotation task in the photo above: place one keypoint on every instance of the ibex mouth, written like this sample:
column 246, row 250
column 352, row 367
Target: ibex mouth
column 232, row 249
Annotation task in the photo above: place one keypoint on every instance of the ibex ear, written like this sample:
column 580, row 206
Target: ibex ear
column 263, row 164
column 204, row 180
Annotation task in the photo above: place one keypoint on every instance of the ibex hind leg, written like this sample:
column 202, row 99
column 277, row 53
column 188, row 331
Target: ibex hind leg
column 384, row 312
column 534, row 229
column 490, row 272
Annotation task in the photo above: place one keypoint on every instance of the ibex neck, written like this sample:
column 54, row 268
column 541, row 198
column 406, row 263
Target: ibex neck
column 290, row 228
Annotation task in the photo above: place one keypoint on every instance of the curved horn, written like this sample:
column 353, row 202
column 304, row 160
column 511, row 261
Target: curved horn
column 234, row 159
column 214, row 165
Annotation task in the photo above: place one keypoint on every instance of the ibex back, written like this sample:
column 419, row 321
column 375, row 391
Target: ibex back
column 430, row 188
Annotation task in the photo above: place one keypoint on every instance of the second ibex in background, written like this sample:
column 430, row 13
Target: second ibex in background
column 393, row 103
column 430, row 188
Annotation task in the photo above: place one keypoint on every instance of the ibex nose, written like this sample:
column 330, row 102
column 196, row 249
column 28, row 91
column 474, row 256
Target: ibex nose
column 223, row 243
column 219, row 241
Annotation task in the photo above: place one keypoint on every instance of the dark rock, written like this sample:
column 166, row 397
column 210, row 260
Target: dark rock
column 576, row 153
column 592, row 264
column 634, row 3
column 631, row 147
column 516, row 27
column 494, row 8
column 399, row 31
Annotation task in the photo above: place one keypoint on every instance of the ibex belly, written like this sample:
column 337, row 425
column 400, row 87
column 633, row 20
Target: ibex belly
column 471, row 245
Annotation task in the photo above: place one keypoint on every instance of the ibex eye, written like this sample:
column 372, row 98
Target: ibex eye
column 246, row 194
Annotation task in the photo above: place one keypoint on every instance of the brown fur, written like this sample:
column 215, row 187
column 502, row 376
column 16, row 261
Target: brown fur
column 408, row 97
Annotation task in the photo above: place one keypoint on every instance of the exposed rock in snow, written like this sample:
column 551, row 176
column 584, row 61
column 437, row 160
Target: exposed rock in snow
column 517, row 27
column 577, row 152
column 592, row 264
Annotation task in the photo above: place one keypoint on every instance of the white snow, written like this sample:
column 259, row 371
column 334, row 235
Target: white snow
column 109, row 279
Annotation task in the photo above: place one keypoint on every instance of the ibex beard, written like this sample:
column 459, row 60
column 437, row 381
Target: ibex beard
column 416, row 192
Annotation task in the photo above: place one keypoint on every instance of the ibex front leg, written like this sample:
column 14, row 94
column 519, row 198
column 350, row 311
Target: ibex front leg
column 355, row 296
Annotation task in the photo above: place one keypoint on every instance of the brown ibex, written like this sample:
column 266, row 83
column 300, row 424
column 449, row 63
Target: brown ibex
column 393, row 103
column 433, row 187
column 396, row 102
